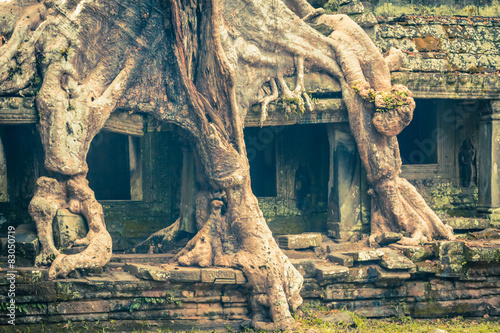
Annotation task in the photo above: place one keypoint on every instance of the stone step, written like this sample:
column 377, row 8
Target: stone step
column 214, row 275
column 143, row 258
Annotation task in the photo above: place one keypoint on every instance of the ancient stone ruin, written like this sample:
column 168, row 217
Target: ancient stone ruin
column 218, row 163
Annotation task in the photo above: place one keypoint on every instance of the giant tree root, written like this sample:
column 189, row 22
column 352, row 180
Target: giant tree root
column 51, row 195
column 241, row 239
column 160, row 241
column 378, row 112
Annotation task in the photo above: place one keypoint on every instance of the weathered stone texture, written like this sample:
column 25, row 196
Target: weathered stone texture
column 455, row 279
column 444, row 45
column 302, row 241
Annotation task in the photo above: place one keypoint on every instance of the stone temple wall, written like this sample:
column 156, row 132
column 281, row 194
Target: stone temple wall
column 441, row 279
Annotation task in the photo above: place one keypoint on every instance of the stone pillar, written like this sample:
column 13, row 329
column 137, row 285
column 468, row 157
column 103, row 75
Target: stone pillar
column 188, row 193
column 489, row 164
column 344, row 198
column 3, row 174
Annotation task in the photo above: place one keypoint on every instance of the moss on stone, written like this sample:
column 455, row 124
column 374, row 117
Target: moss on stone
column 386, row 8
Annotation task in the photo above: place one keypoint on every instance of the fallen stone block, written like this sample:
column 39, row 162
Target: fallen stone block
column 427, row 267
column 391, row 278
column 301, row 241
column 355, row 7
column 485, row 234
column 341, row 259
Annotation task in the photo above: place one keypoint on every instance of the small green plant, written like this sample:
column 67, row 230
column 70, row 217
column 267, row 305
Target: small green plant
column 294, row 106
column 391, row 99
column 169, row 298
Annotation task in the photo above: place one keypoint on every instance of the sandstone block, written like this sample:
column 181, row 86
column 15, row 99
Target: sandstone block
column 365, row 273
column 27, row 245
column 185, row 274
column 148, row 272
column 366, row 255
column 301, row 241
column 327, row 272
column 392, row 260
column 467, row 223
column 68, row 227
column 415, row 253
column 222, row 276
column 451, row 258
column 306, row 267
column 341, row 259
column 354, row 7
column 482, row 254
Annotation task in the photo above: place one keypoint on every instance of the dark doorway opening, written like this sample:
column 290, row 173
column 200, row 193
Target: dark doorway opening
column 418, row 141
column 109, row 166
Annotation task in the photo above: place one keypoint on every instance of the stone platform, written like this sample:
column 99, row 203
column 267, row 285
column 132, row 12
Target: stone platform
column 434, row 280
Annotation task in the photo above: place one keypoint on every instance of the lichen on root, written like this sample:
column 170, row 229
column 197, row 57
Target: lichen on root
column 393, row 109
